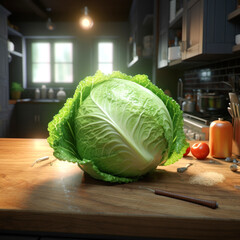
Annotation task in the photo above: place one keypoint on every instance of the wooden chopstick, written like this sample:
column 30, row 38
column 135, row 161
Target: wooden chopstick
column 208, row 203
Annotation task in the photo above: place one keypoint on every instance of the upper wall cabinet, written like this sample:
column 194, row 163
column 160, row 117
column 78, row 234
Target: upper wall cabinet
column 197, row 30
column 205, row 29
column 16, row 39
column 163, row 16
column 140, row 43
column 234, row 17
column 192, row 29
column 15, row 55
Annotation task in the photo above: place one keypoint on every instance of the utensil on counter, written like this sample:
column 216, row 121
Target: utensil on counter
column 234, row 104
column 235, row 107
column 183, row 169
column 234, row 167
column 208, row 203
column 40, row 160
column 238, row 110
column 230, row 111
column 233, row 98
column 236, row 136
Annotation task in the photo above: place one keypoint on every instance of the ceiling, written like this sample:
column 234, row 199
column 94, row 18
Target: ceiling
column 67, row 10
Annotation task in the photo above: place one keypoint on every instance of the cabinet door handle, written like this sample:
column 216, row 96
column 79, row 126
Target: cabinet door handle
column 36, row 118
column 183, row 46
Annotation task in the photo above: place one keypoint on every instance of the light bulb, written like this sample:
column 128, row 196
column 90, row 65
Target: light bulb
column 50, row 25
column 86, row 21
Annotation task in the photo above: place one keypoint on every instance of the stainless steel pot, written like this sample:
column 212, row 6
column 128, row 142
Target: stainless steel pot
column 188, row 105
column 211, row 102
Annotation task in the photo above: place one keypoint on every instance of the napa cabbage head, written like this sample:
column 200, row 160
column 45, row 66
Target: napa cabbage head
column 118, row 128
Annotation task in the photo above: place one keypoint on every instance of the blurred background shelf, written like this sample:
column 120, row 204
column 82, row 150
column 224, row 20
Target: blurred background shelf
column 236, row 48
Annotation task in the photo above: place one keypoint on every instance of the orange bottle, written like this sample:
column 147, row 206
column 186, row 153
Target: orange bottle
column 220, row 138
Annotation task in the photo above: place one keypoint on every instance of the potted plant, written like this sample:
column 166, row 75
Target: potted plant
column 16, row 90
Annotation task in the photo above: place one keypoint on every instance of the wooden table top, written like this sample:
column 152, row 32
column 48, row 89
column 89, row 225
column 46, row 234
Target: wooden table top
column 56, row 196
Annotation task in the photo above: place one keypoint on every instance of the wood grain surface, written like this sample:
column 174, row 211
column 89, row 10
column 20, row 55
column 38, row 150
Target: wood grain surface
column 56, row 196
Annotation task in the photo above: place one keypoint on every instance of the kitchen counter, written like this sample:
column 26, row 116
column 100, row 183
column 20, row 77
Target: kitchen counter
column 29, row 100
column 57, row 197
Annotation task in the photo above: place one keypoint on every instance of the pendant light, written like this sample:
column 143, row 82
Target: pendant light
column 50, row 25
column 86, row 21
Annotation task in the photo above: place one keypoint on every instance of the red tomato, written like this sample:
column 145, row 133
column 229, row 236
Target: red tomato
column 200, row 150
column 187, row 152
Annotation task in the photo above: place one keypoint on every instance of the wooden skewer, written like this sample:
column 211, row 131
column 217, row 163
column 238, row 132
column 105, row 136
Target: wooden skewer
column 208, row 203
column 40, row 160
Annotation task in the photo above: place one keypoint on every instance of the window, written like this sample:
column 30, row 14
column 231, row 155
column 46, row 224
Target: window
column 50, row 62
column 105, row 57
column 41, row 63
column 63, row 62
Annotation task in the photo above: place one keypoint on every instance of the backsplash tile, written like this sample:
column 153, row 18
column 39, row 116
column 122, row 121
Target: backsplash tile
column 221, row 77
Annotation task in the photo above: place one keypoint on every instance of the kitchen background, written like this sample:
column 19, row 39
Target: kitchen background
column 188, row 48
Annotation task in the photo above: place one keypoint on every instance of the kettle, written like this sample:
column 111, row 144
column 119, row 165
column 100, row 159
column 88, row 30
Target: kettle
column 188, row 105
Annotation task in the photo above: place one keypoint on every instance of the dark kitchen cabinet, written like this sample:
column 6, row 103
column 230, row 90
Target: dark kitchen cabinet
column 10, row 68
column 4, row 88
column 192, row 28
column 234, row 18
column 169, row 23
column 140, row 44
column 202, row 30
column 205, row 29
column 16, row 57
column 163, row 16
column 33, row 118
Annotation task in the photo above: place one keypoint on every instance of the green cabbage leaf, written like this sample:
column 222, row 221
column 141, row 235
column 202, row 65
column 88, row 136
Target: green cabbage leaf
column 118, row 128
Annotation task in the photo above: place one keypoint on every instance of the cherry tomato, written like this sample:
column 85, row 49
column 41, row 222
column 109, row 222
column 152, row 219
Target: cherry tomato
column 200, row 150
column 187, row 152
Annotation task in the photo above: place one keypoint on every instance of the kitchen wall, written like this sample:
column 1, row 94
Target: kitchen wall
column 222, row 76
column 84, row 44
column 167, row 80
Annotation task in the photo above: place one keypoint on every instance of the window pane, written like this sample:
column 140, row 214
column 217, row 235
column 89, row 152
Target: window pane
column 105, row 67
column 105, row 52
column 63, row 73
column 63, row 52
column 40, row 52
column 40, row 72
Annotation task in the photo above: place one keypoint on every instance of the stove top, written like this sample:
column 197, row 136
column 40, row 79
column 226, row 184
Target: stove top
column 208, row 117
column 196, row 125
